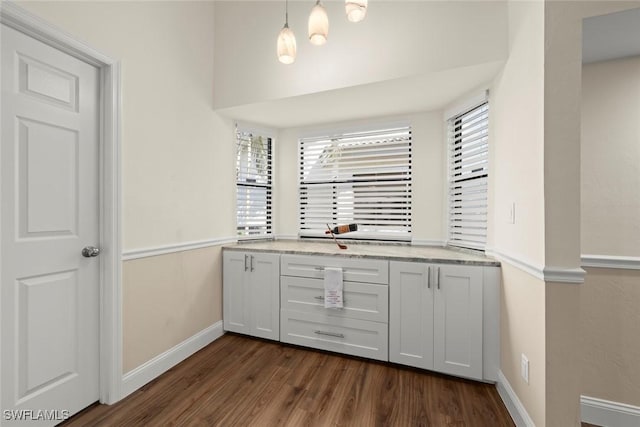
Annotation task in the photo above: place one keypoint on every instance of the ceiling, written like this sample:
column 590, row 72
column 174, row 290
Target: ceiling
column 612, row 36
column 425, row 92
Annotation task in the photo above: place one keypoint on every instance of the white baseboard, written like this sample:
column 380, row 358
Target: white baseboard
column 516, row 409
column 148, row 371
column 606, row 413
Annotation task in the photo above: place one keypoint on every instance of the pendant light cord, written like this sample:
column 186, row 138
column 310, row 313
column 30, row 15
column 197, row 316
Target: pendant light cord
column 286, row 13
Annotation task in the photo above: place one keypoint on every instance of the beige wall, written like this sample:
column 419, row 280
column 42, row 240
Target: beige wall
column 177, row 160
column 563, row 68
column 175, row 149
column 610, row 317
column 522, row 331
column 516, row 165
column 563, row 369
column 610, row 210
column 536, row 164
column 428, row 170
column 611, row 158
column 516, row 133
column 167, row 299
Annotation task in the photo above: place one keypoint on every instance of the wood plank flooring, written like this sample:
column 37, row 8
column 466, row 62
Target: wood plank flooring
column 240, row 381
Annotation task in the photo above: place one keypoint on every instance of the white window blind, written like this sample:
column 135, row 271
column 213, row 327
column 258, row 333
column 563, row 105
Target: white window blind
column 253, row 183
column 468, row 178
column 362, row 178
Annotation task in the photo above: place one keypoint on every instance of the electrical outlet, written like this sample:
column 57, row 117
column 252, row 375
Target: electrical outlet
column 524, row 368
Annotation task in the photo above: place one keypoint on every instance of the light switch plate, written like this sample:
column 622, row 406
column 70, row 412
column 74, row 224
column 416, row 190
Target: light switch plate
column 524, row 368
column 512, row 213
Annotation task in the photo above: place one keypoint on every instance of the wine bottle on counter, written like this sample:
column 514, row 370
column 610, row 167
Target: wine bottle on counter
column 341, row 229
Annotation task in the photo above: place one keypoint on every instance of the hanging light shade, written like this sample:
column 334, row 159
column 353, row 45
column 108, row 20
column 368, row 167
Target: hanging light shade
column 318, row 24
column 286, row 41
column 356, row 10
column 286, row 45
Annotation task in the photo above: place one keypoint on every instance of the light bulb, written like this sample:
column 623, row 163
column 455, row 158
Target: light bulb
column 318, row 25
column 356, row 10
column 286, row 45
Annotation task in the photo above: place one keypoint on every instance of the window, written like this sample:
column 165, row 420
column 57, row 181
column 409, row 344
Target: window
column 359, row 177
column 253, row 183
column 468, row 178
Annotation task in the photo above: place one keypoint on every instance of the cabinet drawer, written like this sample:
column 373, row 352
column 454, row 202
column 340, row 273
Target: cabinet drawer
column 354, row 269
column 363, row 301
column 349, row 336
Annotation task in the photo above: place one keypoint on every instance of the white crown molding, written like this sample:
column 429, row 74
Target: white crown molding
column 611, row 261
column 546, row 273
column 427, row 242
column 177, row 247
column 148, row 371
column 606, row 413
column 516, row 409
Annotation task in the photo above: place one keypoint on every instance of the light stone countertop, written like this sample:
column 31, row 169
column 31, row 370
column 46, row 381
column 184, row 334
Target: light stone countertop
column 391, row 252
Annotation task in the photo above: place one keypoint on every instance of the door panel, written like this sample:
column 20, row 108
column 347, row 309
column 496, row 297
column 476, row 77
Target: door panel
column 410, row 315
column 458, row 326
column 49, row 188
column 47, row 180
column 47, row 330
column 264, row 277
column 234, row 293
column 47, row 83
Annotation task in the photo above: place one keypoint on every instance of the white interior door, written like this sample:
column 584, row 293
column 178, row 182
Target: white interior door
column 49, row 190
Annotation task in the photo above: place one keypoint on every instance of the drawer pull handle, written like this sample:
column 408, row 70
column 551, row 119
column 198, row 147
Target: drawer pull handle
column 321, row 298
column 318, row 268
column 329, row 334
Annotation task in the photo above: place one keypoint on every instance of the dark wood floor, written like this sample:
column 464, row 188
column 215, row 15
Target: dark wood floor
column 239, row 381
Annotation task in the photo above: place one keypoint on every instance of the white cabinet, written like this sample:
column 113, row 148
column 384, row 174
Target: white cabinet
column 353, row 269
column 251, row 293
column 411, row 315
column 436, row 317
column 457, row 326
column 430, row 315
column 360, row 328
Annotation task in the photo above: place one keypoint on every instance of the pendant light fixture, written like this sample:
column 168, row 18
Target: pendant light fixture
column 286, row 40
column 318, row 24
column 356, row 10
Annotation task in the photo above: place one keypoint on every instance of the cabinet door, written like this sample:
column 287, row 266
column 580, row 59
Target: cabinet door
column 411, row 315
column 458, row 320
column 264, row 295
column 235, row 292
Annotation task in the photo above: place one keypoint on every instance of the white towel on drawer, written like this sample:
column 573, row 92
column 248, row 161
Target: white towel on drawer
column 332, row 287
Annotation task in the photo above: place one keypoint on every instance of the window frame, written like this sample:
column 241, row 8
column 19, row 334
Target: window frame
column 270, row 135
column 339, row 131
column 450, row 117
